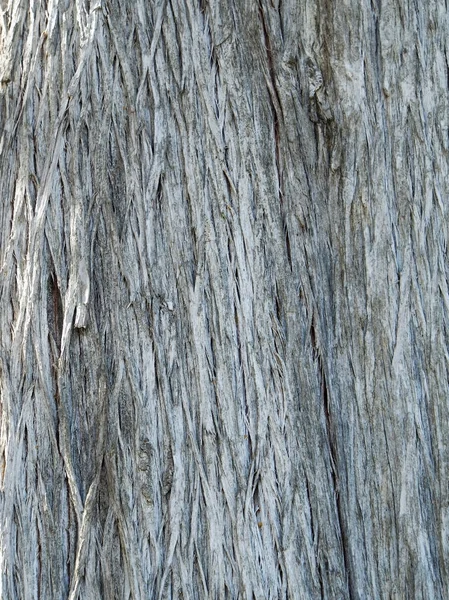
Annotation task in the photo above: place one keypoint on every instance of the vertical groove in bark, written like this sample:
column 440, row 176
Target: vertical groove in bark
column 224, row 299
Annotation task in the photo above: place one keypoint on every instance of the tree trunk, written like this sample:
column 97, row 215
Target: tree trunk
column 224, row 299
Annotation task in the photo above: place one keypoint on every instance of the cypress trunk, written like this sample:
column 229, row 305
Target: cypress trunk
column 224, row 299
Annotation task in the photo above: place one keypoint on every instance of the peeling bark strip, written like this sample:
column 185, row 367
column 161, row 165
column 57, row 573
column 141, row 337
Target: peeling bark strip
column 224, row 299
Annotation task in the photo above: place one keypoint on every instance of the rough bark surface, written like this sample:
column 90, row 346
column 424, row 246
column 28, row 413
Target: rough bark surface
column 224, row 299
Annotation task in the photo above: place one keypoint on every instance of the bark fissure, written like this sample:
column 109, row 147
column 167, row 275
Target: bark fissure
column 333, row 449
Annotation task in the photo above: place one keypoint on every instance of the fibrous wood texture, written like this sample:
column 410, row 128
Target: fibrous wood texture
column 224, row 299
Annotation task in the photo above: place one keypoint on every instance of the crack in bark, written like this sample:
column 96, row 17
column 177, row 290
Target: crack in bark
column 333, row 457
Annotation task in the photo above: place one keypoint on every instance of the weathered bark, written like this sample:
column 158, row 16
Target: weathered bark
column 224, row 299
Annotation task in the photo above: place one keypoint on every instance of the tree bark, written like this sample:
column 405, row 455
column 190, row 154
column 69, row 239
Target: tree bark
column 224, row 299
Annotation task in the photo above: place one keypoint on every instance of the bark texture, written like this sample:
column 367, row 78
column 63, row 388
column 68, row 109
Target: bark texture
column 224, row 299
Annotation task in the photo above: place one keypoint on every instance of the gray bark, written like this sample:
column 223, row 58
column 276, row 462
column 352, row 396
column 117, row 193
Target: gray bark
column 224, row 299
